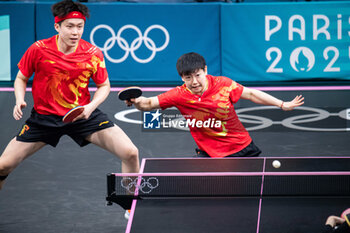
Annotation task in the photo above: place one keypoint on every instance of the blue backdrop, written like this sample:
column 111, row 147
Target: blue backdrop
column 274, row 42
column 142, row 42
column 246, row 42
column 22, row 30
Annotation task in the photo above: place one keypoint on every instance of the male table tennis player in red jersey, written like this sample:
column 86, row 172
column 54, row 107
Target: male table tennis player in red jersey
column 63, row 66
column 204, row 97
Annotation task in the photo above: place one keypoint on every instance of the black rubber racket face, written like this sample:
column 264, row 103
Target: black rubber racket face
column 129, row 93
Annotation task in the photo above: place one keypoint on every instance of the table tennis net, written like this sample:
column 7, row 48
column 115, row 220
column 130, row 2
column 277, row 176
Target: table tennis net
column 213, row 185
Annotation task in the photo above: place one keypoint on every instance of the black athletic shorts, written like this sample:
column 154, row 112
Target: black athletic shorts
column 50, row 128
column 249, row 151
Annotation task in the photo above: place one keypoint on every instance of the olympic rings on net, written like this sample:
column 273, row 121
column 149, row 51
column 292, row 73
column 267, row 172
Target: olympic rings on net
column 134, row 45
column 139, row 184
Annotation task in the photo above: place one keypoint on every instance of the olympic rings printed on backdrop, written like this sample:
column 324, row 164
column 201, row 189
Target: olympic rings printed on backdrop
column 135, row 44
column 139, row 184
column 262, row 122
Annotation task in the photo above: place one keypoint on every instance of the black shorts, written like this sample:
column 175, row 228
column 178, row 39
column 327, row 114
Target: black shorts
column 249, row 151
column 50, row 128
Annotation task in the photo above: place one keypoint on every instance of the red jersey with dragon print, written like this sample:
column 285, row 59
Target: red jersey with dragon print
column 214, row 106
column 61, row 81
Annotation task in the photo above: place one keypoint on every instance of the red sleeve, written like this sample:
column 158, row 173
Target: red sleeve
column 101, row 75
column 168, row 99
column 26, row 65
column 236, row 92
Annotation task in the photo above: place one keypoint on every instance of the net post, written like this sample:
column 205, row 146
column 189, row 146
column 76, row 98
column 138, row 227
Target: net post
column 125, row 201
column 110, row 188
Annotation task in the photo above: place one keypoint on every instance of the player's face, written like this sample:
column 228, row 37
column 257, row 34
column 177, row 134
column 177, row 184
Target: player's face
column 196, row 81
column 70, row 32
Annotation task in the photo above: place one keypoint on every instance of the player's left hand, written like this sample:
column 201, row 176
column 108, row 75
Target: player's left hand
column 297, row 101
column 17, row 110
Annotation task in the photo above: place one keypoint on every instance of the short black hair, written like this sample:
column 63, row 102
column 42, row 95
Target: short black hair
column 189, row 63
column 64, row 7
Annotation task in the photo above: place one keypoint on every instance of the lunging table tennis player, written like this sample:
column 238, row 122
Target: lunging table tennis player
column 63, row 66
column 204, row 97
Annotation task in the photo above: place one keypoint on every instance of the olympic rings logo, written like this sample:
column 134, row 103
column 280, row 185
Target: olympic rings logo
column 135, row 44
column 308, row 115
column 139, row 184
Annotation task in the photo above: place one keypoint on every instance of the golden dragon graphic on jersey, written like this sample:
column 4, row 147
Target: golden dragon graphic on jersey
column 58, row 83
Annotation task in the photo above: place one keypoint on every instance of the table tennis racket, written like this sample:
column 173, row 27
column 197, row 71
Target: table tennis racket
column 345, row 213
column 72, row 114
column 129, row 93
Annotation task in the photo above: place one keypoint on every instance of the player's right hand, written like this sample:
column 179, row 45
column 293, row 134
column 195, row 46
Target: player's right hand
column 134, row 101
column 129, row 102
column 17, row 110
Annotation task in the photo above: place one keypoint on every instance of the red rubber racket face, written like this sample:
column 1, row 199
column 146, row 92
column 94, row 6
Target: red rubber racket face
column 129, row 93
column 345, row 212
column 72, row 114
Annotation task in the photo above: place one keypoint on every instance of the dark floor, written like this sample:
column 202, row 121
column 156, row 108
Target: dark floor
column 63, row 189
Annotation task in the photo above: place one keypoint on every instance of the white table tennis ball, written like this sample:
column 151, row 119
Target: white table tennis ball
column 276, row 164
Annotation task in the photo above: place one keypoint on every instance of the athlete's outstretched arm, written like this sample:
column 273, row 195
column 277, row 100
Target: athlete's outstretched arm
column 20, row 86
column 261, row 97
column 143, row 103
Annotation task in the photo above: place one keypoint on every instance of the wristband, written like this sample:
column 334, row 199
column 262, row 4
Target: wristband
column 282, row 104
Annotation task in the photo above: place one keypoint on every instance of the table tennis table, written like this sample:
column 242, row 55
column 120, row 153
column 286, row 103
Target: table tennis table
column 232, row 195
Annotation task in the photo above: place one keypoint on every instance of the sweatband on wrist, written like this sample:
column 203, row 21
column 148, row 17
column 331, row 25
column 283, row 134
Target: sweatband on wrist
column 282, row 104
